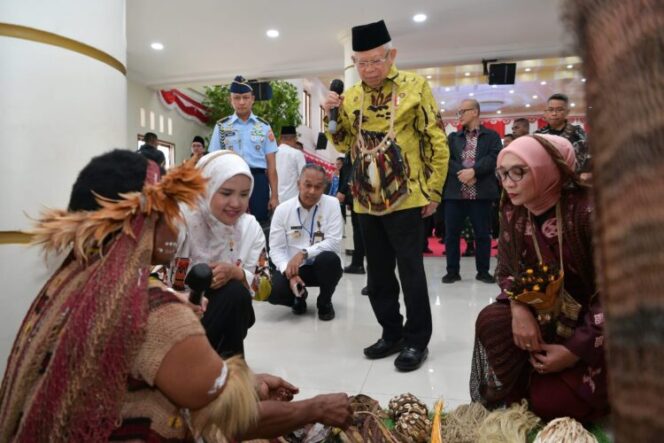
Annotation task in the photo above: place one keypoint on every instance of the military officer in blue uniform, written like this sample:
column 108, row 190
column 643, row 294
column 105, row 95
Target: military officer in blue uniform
column 252, row 138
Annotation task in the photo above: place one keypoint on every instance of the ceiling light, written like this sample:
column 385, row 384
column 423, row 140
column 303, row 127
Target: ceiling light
column 471, row 94
column 528, row 69
column 447, row 89
column 511, row 91
column 572, row 105
column 570, row 66
column 419, row 18
column 467, row 74
column 542, row 83
column 157, row 46
column 534, row 97
column 494, row 86
column 527, row 105
column 442, row 102
column 583, row 80
column 429, row 77
column 272, row 33
column 442, row 110
column 499, row 112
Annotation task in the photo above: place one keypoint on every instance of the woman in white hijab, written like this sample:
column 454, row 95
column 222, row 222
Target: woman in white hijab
column 220, row 233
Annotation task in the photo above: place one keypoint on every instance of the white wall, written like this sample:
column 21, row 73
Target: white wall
column 183, row 130
column 60, row 109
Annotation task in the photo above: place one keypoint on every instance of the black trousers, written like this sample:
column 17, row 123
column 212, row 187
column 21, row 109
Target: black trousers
column 358, row 240
column 427, row 231
column 396, row 240
column 325, row 272
column 479, row 212
column 228, row 317
column 260, row 197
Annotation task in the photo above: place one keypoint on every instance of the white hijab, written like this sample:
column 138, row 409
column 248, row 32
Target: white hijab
column 205, row 238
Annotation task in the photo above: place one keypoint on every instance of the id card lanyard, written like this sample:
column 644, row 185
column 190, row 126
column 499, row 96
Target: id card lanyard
column 311, row 230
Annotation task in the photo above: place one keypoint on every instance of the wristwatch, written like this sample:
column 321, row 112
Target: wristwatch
column 305, row 253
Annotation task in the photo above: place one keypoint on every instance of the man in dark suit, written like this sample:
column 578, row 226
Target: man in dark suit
column 470, row 188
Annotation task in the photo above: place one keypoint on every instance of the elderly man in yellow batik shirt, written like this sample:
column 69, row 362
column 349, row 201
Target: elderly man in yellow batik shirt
column 400, row 156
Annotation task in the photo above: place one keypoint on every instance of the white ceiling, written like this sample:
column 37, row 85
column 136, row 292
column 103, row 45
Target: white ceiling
column 211, row 41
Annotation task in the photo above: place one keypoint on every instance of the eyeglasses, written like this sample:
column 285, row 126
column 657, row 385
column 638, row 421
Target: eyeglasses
column 363, row 64
column 515, row 173
column 556, row 110
column 460, row 112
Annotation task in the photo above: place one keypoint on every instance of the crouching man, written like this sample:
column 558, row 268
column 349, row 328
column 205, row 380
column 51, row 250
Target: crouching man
column 305, row 245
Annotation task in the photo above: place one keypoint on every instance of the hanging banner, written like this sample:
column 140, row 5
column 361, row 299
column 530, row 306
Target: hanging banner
column 186, row 106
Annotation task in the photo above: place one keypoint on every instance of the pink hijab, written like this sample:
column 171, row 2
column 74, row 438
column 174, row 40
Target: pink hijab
column 546, row 176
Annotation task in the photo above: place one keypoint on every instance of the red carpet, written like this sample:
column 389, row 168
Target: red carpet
column 439, row 248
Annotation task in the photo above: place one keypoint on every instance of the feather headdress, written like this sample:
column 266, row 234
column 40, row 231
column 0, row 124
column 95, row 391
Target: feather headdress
column 59, row 229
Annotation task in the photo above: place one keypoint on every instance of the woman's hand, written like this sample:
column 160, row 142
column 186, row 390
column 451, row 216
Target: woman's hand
column 525, row 329
column 222, row 273
column 553, row 358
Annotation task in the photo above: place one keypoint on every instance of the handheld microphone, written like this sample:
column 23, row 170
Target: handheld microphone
column 338, row 87
column 199, row 280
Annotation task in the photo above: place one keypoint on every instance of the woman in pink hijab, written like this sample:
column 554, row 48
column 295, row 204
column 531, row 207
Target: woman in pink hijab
column 550, row 354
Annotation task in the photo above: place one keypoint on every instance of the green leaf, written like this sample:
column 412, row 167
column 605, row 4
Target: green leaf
column 283, row 109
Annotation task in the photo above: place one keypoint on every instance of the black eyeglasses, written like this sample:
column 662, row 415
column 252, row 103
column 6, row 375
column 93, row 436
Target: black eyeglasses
column 460, row 112
column 515, row 173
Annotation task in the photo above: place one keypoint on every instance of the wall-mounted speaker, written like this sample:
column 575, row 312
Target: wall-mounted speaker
column 262, row 90
column 502, row 73
column 321, row 143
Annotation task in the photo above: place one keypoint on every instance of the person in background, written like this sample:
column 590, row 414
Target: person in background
column 305, row 245
column 557, row 110
column 520, row 127
column 470, row 189
column 507, row 139
column 338, row 186
column 252, row 138
column 197, row 148
column 150, row 151
column 290, row 161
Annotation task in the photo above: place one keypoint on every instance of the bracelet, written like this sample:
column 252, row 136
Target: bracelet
column 220, row 381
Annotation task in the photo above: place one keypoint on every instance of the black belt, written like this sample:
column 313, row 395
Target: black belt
column 257, row 170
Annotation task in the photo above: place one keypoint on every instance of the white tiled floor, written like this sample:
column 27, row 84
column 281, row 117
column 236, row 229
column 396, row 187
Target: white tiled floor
column 321, row 357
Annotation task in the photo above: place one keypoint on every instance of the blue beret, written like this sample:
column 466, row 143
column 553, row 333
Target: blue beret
column 240, row 85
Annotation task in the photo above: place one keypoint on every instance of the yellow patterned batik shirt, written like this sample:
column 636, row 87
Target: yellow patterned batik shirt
column 422, row 144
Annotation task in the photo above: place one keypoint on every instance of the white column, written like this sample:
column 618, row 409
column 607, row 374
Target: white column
column 350, row 73
column 62, row 103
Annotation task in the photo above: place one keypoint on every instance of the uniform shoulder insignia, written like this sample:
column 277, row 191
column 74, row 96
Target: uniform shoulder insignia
column 262, row 120
column 224, row 120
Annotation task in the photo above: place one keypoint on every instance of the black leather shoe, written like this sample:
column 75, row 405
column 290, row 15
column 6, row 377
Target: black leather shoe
column 410, row 359
column 354, row 269
column 326, row 313
column 349, row 252
column 451, row 278
column 485, row 277
column 299, row 306
column 365, row 290
column 383, row 348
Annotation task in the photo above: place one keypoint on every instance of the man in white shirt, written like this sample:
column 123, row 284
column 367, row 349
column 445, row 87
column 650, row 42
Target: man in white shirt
column 290, row 161
column 305, row 245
